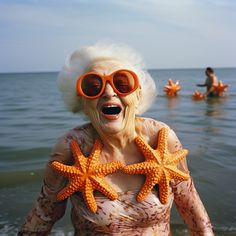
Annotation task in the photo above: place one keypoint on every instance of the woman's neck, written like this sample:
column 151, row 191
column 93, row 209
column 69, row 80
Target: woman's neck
column 121, row 139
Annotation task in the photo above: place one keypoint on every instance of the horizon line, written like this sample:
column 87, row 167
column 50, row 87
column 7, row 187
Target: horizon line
column 166, row 68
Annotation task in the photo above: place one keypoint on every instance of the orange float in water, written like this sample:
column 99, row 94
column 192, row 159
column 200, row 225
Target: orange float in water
column 220, row 88
column 172, row 88
column 198, row 95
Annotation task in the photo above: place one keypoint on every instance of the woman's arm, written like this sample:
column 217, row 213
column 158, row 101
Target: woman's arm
column 187, row 200
column 191, row 208
column 47, row 209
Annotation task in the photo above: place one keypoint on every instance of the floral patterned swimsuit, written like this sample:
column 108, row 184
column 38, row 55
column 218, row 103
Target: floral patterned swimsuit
column 124, row 216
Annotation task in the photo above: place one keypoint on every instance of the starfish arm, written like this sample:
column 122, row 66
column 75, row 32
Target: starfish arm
column 95, row 153
column 101, row 185
column 89, row 197
column 146, row 188
column 67, row 191
column 178, row 88
column 175, row 173
column 164, row 188
column 177, row 156
column 140, row 168
column 65, row 169
column 145, row 148
column 105, row 169
column 167, row 87
column 171, row 83
column 162, row 141
column 79, row 158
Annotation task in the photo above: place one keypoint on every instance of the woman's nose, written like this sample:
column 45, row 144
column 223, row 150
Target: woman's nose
column 108, row 91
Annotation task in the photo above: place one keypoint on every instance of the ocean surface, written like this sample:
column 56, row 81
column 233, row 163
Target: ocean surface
column 33, row 116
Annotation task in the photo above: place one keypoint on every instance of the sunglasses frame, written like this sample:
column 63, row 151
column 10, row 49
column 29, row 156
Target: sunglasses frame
column 105, row 79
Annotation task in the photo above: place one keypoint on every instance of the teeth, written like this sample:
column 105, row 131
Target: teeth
column 110, row 106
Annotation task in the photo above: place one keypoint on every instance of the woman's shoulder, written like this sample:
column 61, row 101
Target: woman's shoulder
column 79, row 133
column 82, row 134
column 151, row 125
column 151, row 128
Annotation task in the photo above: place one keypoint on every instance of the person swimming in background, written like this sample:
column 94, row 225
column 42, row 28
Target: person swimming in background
column 210, row 82
column 118, row 153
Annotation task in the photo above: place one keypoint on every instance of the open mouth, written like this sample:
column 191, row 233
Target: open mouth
column 111, row 110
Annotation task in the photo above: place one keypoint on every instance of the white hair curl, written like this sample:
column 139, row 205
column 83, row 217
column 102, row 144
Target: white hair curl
column 82, row 58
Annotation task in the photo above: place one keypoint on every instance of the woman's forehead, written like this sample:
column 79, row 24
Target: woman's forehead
column 106, row 67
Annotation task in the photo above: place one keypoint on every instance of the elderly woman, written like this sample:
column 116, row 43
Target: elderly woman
column 121, row 172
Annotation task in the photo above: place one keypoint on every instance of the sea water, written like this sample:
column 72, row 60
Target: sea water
column 33, row 116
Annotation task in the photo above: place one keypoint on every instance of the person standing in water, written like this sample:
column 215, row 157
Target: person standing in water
column 210, row 82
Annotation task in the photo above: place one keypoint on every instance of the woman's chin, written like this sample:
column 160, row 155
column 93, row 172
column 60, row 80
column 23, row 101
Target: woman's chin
column 111, row 124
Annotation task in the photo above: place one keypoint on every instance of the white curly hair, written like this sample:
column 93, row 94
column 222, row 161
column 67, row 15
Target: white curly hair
column 81, row 59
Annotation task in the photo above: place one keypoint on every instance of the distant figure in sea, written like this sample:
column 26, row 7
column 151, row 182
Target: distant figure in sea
column 210, row 83
column 122, row 172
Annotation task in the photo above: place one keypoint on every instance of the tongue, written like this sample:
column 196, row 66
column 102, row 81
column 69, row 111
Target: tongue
column 111, row 110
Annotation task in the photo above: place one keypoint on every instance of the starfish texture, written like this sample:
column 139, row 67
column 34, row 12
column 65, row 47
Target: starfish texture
column 159, row 167
column 172, row 88
column 87, row 174
column 220, row 88
column 198, row 95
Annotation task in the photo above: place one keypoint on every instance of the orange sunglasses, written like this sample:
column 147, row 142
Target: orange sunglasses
column 91, row 85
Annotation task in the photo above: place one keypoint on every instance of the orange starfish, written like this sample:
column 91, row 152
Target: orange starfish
column 159, row 166
column 87, row 174
column 198, row 95
column 220, row 88
column 172, row 88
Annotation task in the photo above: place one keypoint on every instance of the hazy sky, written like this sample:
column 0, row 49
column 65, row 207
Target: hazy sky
column 37, row 35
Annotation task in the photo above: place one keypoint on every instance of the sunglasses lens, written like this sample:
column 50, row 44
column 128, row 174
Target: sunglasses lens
column 91, row 85
column 124, row 81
